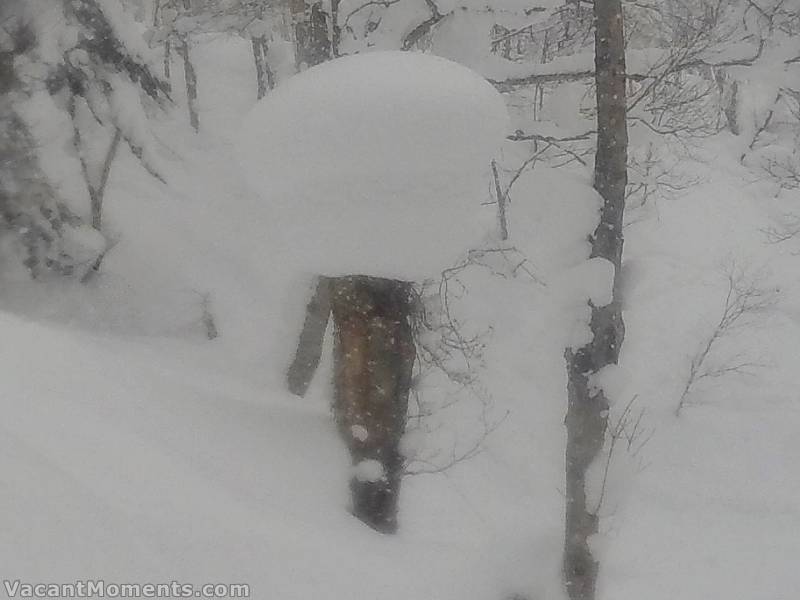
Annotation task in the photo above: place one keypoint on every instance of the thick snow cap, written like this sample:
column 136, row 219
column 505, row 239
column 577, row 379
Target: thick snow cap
column 376, row 164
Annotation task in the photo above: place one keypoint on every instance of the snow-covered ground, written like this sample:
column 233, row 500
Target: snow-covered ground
column 134, row 449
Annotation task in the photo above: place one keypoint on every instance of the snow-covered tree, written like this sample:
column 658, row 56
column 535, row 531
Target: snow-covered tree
column 263, row 23
column 38, row 230
column 393, row 193
column 83, row 63
column 588, row 405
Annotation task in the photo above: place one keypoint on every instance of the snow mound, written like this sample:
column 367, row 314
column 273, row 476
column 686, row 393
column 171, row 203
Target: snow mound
column 382, row 159
column 369, row 471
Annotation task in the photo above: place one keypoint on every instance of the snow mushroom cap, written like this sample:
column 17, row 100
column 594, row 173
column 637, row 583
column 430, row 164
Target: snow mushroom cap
column 374, row 155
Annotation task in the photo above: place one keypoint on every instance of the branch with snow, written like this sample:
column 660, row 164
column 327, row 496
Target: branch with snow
column 413, row 37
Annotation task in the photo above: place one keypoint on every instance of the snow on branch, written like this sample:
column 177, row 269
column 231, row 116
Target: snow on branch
column 421, row 30
column 101, row 41
column 642, row 65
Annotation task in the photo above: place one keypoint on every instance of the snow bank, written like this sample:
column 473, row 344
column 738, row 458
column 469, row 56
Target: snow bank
column 375, row 164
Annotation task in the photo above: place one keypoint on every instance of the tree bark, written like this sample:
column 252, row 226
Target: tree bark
column 729, row 98
column 309, row 347
column 587, row 412
column 191, row 82
column 190, row 74
column 312, row 38
column 168, row 63
column 335, row 29
column 265, row 78
column 373, row 360
column 374, row 349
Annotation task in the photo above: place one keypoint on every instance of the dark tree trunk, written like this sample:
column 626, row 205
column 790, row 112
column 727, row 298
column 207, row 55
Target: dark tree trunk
column 309, row 347
column 729, row 98
column 336, row 31
column 374, row 349
column 7, row 77
column 265, row 79
column 190, row 74
column 259, row 60
column 373, row 358
column 587, row 413
column 168, row 63
column 312, row 40
column 191, row 82
column 732, row 109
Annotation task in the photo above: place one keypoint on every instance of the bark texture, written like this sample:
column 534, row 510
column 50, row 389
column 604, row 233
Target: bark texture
column 729, row 98
column 373, row 359
column 312, row 38
column 265, row 79
column 587, row 412
column 309, row 346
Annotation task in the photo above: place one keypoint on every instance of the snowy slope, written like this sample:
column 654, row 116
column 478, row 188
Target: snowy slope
column 140, row 451
column 137, row 450
column 714, row 511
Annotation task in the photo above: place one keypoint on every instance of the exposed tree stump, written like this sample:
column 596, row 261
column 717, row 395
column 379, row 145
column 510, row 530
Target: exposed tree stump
column 374, row 356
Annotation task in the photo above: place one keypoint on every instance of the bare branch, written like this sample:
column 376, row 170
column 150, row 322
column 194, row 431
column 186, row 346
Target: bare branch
column 358, row 9
column 744, row 298
column 628, row 429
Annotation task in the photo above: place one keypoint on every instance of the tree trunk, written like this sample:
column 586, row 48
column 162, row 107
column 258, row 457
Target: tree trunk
column 373, row 359
column 729, row 98
column 190, row 74
column 191, row 82
column 374, row 349
column 265, row 79
column 261, row 76
column 7, row 77
column 312, row 42
column 100, row 191
column 335, row 30
column 168, row 63
column 309, row 347
column 587, row 412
